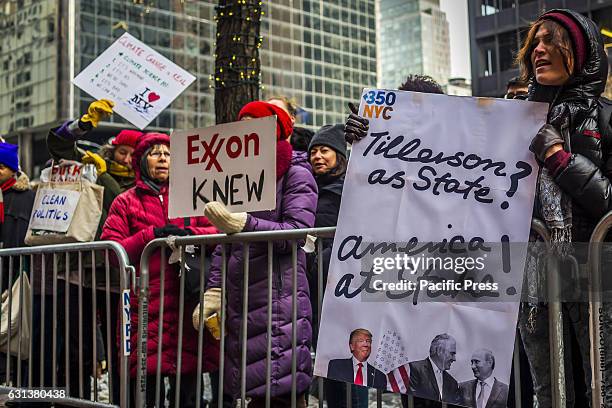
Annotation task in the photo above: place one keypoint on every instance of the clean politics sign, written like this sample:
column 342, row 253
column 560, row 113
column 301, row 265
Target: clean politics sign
column 53, row 209
column 426, row 268
column 233, row 163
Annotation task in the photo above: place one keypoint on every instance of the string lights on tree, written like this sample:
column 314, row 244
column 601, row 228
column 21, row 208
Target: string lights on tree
column 237, row 76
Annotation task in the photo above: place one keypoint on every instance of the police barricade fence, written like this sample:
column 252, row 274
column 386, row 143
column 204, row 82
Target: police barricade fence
column 600, row 311
column 49, row 334
column 296, row 238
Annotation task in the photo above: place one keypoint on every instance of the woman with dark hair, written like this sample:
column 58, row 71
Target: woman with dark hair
column 563, row 59
column 327, row 151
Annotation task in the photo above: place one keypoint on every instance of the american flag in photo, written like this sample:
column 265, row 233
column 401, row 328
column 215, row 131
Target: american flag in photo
column 392, row 360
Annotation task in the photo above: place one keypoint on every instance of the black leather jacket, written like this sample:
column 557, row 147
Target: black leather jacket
column 574, row 112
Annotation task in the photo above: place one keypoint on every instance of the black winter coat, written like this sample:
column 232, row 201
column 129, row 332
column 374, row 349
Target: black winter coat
column 574, row 112
column 328, row 207
column 18, row 203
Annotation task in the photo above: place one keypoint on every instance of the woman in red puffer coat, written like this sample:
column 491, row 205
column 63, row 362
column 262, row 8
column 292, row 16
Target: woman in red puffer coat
column 136, row 217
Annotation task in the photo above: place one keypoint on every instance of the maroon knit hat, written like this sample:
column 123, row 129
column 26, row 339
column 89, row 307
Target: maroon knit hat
column 576, row 34
column 127, row 137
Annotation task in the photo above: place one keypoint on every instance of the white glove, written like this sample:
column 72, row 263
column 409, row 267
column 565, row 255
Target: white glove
column 224, row 220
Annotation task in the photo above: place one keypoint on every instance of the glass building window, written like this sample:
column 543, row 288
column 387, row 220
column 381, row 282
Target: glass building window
column 507, row 50
column 488, row 7
column 488, row 58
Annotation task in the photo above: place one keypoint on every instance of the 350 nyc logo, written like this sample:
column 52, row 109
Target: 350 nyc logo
column 378, row 104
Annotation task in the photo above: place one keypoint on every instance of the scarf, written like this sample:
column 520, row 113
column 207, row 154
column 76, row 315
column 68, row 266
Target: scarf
column 284, row 151
column 145, row 176
column 4, row 187
column 556, row 205
column 556, row 211
column 120, row 170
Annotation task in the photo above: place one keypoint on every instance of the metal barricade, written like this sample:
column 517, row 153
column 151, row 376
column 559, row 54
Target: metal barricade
column 595, row 305
column 54, row 295
column 269, row 237
column 293, row 239
column 555, row 324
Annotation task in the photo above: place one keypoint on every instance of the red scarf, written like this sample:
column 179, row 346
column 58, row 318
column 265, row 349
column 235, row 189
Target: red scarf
column 284, row 151
column 4, row 187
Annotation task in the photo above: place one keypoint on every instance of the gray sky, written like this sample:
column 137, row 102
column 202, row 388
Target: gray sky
column 456, row 14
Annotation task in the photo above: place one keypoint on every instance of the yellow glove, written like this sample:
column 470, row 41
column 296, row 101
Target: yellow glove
column 212, row 323
column 96, row 160
column 98, row 110
column 212, row 305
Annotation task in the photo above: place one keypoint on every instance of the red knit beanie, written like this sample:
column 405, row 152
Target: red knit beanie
column 284, row 128
column 260, row 109
column 576, row 34
column 127, row 137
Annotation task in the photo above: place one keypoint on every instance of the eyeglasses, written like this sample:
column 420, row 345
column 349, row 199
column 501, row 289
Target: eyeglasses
column 512, row 95
column 157, row 155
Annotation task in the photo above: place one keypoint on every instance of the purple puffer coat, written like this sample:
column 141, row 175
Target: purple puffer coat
column 296, row 203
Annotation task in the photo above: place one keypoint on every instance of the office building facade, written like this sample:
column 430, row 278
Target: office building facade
column 458, row 87
column 498, row 27
column 413, row 39
column 321, row 53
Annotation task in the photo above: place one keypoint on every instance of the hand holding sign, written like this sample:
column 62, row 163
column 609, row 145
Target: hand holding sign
column 97, row 111
column 356, row 127
column 228, row 222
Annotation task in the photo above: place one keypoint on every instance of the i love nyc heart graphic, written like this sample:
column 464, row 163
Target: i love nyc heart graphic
column 153, row 97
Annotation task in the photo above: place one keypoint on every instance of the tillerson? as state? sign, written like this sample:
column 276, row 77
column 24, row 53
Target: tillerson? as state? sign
column 233, row 163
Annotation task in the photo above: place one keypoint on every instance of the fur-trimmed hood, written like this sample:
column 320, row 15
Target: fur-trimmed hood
column 23, row 182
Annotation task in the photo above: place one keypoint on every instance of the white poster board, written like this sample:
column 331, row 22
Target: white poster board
column 139, row 80
column 432, row 168
column 53, row 209
column 233, row 163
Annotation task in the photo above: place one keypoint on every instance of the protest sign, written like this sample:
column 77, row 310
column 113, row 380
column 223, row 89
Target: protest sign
column 69, row 172
column 447, row 182
column 53, row 209
column 233, row 163
column 140, row 81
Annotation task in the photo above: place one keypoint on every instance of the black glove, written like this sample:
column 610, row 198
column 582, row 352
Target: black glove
column 356, row 127
column 84, row 126
column 170, row 229
column 546, row 137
